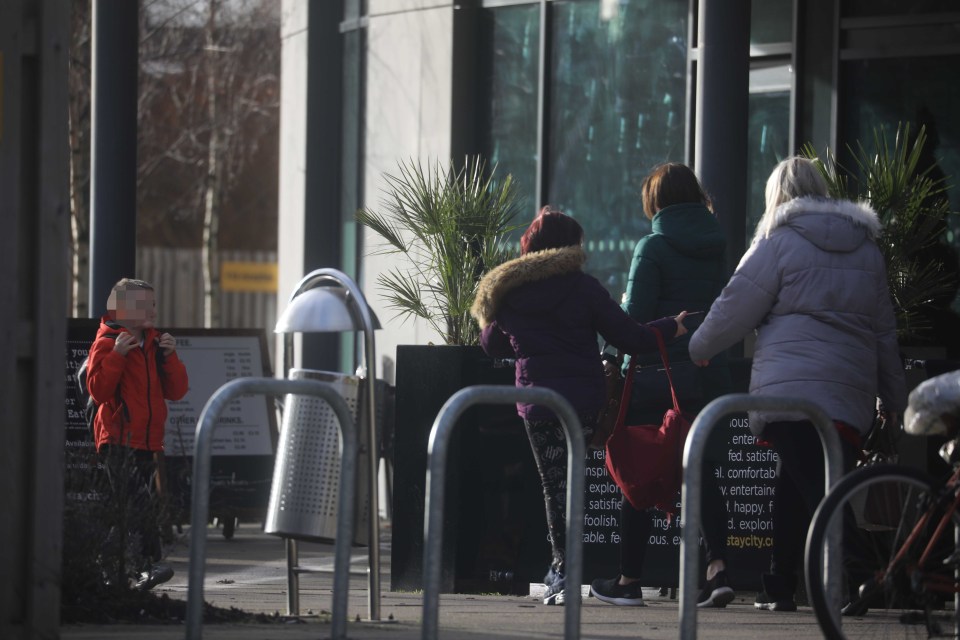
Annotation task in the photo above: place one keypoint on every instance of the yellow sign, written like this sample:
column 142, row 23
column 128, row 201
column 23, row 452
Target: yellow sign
column 260, row 277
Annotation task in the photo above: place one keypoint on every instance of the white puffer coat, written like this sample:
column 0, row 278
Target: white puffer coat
column 815, row 290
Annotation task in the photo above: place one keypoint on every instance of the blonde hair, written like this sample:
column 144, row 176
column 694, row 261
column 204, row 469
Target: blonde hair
column 792, row 178
column 118, row 292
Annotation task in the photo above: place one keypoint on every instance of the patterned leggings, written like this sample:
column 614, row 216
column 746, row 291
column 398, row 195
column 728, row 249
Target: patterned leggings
column 549, row 445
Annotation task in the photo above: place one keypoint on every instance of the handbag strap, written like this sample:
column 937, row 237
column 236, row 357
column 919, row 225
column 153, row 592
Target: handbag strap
column 628, row 381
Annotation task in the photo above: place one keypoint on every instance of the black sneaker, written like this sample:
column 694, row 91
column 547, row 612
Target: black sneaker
column 716, row 593
column 157, row 574
column 612, row 591
column 861, row 599
column 768, row 603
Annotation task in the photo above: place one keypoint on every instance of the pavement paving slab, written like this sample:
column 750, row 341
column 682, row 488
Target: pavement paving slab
column 248, row 572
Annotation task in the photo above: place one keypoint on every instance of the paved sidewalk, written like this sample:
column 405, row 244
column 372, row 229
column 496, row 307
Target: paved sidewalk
column 249, row 572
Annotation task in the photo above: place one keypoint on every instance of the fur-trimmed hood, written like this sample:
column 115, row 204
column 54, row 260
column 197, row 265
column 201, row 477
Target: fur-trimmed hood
column 832, row 225
column 531, row 267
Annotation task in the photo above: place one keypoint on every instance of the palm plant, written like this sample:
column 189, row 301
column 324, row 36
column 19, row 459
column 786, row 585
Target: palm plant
column 451, row 225
column 912, row 203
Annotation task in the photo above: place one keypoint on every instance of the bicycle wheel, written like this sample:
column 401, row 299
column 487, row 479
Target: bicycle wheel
column 880, row 506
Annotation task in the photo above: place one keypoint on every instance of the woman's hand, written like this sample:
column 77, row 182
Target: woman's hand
column 681, row 330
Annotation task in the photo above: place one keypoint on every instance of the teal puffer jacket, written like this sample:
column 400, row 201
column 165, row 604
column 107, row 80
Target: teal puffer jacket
column 680, row 266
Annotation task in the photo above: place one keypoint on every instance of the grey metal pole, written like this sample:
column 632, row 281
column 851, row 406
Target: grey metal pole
column 290, row 545
column 436, row 481
column 113, row 148
column 722, row 113
column 692, row 486
column 373, row 468
column 200, row 506
column 293, row 576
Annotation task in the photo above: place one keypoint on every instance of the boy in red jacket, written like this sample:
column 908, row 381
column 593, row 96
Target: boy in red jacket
column 133, row 371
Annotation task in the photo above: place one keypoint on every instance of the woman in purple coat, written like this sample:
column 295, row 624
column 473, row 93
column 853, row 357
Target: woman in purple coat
column 545, row 312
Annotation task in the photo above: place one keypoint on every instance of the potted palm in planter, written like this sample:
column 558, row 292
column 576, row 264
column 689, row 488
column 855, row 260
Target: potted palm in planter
column 449, row 226
column 905, row 187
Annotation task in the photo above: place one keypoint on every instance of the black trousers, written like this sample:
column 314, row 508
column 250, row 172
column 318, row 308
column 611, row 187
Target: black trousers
column 799, row 490
column 635, row 527
column 549, row 445
column 131, row 476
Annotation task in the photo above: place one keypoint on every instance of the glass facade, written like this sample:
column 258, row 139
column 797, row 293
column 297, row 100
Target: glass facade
column 879, row 94
column 769, row 134
column 862, row 8
column 615, row 84
column 617, row 88
column 771, row 21
column 511, row 69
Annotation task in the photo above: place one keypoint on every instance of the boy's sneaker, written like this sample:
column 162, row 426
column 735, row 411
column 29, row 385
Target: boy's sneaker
column 157, row 574
column 768, row 603
column 716, row 593
column 554, row 592
column 610, row 590
column 555, row 583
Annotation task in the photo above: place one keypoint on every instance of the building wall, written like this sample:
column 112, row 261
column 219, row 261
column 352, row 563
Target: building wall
column 409, row 85
column 293, row 155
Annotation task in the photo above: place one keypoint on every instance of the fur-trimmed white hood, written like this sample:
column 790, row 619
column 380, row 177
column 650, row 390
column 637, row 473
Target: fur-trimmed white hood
column 531, row 267
column 832, row 225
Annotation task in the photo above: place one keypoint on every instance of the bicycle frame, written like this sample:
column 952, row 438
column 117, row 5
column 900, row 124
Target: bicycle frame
column 933, row 582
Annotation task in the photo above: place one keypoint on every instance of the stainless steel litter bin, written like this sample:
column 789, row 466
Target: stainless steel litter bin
column 306, row 475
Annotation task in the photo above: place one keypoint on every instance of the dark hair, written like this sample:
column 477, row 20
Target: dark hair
column 551, row 230
column 669, row 184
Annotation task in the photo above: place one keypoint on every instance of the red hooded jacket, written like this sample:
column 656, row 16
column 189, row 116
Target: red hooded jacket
column 132, row 390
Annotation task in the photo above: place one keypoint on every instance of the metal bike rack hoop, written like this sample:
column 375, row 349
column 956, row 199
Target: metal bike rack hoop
column 693, row 478
column 200, row 507
column 436, row 479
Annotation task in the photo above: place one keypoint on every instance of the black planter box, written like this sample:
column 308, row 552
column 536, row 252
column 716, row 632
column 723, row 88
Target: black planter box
column 494, row 535
column 494, row 529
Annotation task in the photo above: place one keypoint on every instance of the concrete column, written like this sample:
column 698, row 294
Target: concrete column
column 720, row 143
column 311, row 104
column 113, row 148
column 34, row 156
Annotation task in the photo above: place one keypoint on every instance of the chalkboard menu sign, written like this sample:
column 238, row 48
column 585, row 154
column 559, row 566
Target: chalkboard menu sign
column 243, row 441
column 212, row 359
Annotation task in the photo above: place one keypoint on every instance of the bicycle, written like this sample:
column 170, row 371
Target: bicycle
column 901, row 568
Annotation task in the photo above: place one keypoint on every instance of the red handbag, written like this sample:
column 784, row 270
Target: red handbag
column 646, row 460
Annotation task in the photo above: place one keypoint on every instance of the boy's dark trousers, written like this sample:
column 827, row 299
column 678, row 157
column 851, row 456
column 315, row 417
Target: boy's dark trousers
column 132, row 484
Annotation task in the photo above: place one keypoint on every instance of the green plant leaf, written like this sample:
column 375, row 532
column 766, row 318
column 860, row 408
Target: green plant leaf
column 451, row 224
column 913, row 208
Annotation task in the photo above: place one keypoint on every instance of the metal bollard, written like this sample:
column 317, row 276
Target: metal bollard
column 201, row 491
column 692, row 486
column 436, row 479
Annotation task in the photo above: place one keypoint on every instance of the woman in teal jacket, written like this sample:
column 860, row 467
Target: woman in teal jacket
column 679, row 266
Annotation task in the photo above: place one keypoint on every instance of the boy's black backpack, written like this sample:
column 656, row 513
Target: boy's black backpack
column 90, row 405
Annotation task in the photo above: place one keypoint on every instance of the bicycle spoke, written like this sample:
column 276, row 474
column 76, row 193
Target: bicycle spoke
column 899, row 557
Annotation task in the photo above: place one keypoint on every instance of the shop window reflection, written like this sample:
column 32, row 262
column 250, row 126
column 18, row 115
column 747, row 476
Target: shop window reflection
column 618, row 99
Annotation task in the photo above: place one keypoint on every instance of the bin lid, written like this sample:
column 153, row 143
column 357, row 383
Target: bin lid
column 322, row 309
